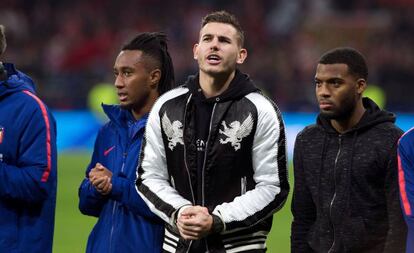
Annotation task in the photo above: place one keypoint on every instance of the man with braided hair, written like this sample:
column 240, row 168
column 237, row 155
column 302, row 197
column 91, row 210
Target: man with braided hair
column 143, row 70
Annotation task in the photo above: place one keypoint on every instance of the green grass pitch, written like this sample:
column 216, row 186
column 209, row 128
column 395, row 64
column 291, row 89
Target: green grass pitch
column 72, row 228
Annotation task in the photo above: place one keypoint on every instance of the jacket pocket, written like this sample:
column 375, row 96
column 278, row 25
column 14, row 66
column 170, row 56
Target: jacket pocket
column 173, row 243
column 353, row 234
column 243, row 240
column 313, row 238
column 243, row 185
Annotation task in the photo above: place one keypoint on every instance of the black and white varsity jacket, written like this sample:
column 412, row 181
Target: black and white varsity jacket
column 245, row 171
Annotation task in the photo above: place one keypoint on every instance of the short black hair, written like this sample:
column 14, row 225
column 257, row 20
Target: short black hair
column 355, row 61
column 154, row 45
column 225, row 18
column 3, row 43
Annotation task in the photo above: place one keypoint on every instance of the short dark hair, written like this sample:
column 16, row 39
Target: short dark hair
column 225, row 18
column 154, row 45
column 357, row 65
column 3, row 43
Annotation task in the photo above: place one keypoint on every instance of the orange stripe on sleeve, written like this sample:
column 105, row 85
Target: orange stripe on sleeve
column 46, row 173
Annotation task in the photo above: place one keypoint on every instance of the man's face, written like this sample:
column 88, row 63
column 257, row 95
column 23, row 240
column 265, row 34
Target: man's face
column 337, row 91
column 218, row 50
column 132, row 79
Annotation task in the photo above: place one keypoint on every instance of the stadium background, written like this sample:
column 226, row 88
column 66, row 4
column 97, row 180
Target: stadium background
column 68, row 47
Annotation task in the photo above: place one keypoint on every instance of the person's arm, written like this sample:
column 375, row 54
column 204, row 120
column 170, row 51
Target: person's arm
column 303, row 208
column 124, row 191
column 153, row 182
column 120, row 189
column 91, row 201
column 269, row 160
column 28, row 178
column 397, row 230
column 406, row 183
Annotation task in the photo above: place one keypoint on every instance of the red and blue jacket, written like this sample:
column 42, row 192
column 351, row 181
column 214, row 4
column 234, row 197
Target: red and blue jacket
column 125, row 223
column 406, row 180
column 27, row 167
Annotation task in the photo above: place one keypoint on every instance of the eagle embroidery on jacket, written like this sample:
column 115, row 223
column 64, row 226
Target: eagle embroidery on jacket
column 174, row 131
column 236, row 132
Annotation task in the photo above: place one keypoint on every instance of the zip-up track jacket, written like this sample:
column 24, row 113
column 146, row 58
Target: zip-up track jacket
column 245, row 174
column 406, row 180
column 27, row 167
column 125, row 224
column 346, row 190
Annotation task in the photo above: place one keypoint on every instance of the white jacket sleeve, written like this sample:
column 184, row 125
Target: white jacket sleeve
column 270, row 171
column 153, row 182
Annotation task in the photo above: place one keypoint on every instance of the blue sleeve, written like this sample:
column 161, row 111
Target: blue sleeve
column 32, row 177
column 91, row 201
column 397, row 230
column 406, row 181
column 406, row 173
column 124, row 191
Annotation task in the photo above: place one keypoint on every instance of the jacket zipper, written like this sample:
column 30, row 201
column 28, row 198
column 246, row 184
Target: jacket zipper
column 243, row 184
column 205, row 155
column 334, row 196
column 112, row 227
column 172, row 181
column 204, row 165
column 189, row 247
column 185, row 152
column 185, row 161
column 114, row 207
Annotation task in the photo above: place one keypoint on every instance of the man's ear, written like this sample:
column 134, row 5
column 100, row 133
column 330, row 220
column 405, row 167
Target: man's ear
column 361, row 85
column 195, row 51
column 155, row 77
column 241, row 56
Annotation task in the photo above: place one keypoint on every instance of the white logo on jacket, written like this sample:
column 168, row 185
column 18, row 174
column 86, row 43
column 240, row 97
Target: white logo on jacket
column 236, row 132
column 174, row 131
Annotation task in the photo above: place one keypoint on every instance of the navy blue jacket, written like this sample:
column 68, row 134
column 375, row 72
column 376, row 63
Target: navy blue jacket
column 125, row 223
column 27, row 167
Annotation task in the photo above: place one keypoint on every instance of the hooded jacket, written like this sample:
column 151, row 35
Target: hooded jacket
column 27, row 167
column 406, row 182
column 125, row 224
column 244, row 177
column 346, row 190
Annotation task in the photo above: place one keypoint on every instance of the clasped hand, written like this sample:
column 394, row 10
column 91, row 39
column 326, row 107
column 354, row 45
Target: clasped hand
column 194, row 223
column 100, row 177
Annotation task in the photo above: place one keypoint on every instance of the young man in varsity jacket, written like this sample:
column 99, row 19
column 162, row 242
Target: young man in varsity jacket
column 213, row 165
column 345, row 197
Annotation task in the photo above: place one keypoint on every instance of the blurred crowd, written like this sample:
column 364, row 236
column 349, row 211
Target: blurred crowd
column 69, row 46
